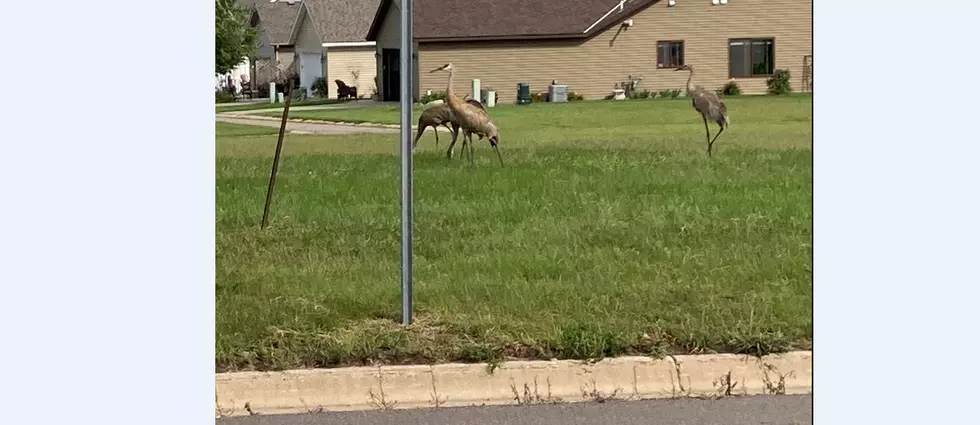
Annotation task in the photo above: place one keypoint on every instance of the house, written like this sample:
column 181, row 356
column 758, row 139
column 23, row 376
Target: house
column 328, row 36
column 591, row 45
column 274, row 23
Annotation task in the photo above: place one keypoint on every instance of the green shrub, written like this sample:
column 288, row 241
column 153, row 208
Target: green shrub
column 779, row 82
column 319, row 87
column 668, row 94
column 574, row 97
column 730, row 89
column 436, row 95
column 642, row 94
column 221, row 96
column 301, row 94
column 539, row 97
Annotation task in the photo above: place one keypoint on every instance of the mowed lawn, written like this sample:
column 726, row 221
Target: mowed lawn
column 608, row 232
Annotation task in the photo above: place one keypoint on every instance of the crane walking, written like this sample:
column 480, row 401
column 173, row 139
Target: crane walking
column 709, row 105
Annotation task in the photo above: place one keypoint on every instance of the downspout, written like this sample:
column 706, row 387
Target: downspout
column 618, row 6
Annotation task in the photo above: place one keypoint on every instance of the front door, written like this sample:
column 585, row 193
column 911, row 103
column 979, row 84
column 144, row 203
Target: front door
column 390, row 75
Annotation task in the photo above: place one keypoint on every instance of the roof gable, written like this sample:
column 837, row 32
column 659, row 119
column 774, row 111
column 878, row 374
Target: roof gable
column 274, row 19
column 338, row 21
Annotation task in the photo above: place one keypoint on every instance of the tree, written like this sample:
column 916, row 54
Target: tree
column 234, row 37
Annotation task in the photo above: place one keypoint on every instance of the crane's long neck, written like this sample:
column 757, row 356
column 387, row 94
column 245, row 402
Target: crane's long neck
column 690, row 88
column 450, row 96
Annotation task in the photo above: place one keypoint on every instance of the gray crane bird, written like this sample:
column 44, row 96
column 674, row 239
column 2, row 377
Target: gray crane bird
column 708, row 105
column 440, row 115
column 471, row 119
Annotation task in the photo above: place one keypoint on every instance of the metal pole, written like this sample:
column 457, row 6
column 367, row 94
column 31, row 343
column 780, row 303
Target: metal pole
column 275, row 159
column 407, row 72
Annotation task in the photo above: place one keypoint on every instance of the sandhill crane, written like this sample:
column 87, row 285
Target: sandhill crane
column 708, row 105
column 441, row 114
column 472, row 119
column 434, row 116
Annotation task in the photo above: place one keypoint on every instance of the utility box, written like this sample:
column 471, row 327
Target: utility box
column 558, row 93
column 523, row 94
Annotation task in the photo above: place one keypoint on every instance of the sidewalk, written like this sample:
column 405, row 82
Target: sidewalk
column 275, row 107
column 307, row 127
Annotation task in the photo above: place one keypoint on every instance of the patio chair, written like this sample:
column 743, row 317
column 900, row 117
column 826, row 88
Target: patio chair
column 344, row 91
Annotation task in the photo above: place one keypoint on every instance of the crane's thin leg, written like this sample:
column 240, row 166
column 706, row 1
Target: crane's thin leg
column 419, row 135
column 472, row 151
column 707, row 133
column 712, row 142
column 462, row 149
column 449, row 152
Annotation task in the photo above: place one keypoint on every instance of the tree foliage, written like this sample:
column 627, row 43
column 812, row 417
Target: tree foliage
column 234, row 36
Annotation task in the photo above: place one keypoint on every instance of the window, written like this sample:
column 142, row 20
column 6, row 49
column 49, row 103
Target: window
column 670, row 54
column 751, row 57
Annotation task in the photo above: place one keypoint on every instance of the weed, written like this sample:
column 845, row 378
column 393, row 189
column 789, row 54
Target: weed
column 532, row 396
column 777, row 387
column 725, row 385
column 590, row 391
column 379, row 400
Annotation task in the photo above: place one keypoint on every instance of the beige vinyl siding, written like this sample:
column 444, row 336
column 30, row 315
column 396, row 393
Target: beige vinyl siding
column 592, row 67
column 355, row 66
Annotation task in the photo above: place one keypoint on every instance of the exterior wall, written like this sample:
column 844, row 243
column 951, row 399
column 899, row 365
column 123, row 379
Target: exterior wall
column 286, row 55
column 389, row 37
column 355, row 66
column 591, row 68
column 307, row 39
column 310, row 49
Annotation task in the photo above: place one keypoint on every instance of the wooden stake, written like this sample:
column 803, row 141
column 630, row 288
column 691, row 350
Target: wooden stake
column 275, row 160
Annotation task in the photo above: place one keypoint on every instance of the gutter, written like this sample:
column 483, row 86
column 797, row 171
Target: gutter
column 350, row 44
column 619, row 6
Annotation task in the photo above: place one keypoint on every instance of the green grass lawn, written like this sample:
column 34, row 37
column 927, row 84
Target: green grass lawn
column 608, row 232
column 233, row 107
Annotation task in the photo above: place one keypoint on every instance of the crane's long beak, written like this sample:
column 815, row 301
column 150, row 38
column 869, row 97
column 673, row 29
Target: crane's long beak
column 499, row 158
column 493, row 142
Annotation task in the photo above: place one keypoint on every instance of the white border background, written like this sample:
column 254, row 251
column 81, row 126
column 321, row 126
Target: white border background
column 107, row 251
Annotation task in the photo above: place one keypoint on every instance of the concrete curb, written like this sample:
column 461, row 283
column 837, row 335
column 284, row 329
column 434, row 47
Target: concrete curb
column 362, row 388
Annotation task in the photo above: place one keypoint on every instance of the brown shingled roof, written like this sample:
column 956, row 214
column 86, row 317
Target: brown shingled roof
column 341, row 20
column 276, row 19
column 509, row 19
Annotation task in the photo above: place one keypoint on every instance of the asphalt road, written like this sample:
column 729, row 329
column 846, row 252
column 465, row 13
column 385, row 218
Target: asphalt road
column 754, row 410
